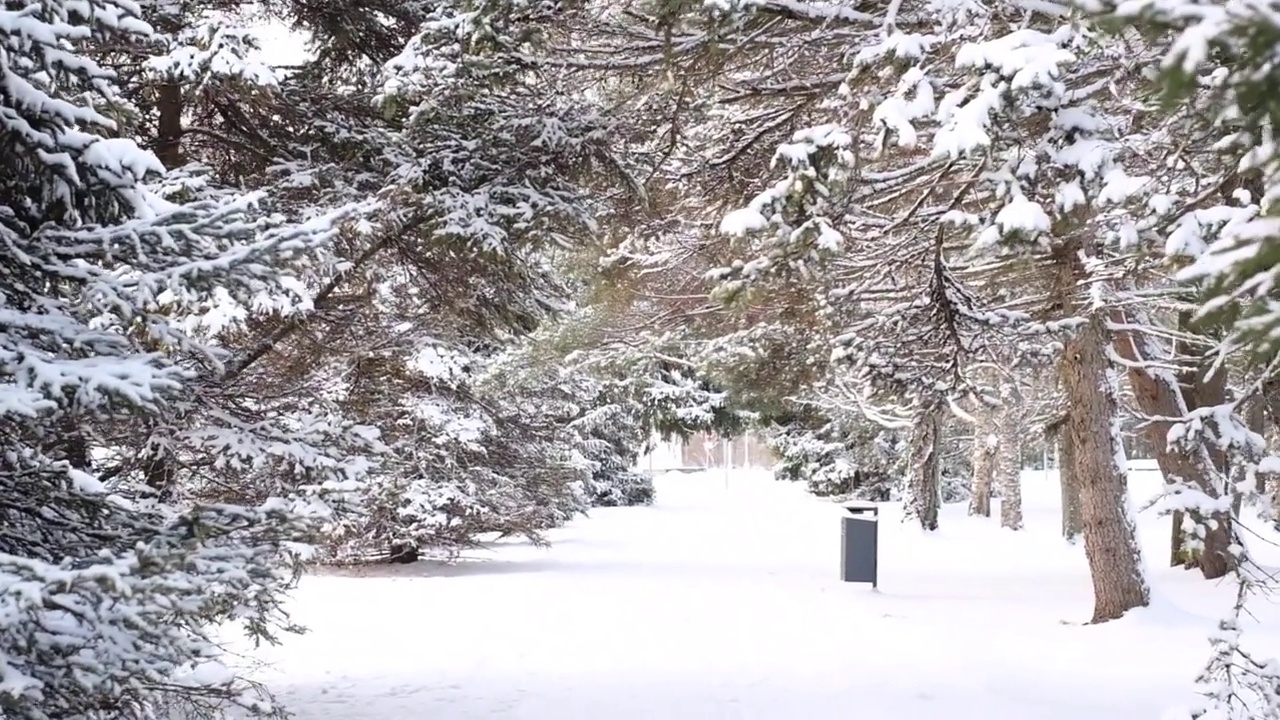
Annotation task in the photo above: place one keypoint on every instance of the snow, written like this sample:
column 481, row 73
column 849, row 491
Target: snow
column 723, row 601
column 898, row 112
column 279, row 44
column 743, row 221
column 207, row 674
column 1023, row 215
column 804, row 178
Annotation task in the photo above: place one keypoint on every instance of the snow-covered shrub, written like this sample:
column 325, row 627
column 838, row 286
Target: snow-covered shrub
column 955, row 469
column 602, row 425
column 484, row 447
column 802, row 456
column 629, row 488
column 856, row 459
column 679, row 402
column 609, row 437
column 468, row 459
column 953, row 486
column 840, row 459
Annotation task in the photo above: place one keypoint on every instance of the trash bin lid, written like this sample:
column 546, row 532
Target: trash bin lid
column 858, row 507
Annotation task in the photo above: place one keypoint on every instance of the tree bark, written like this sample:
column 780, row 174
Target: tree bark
column 1271, row 400
column 1271, row 409
column 71, row 443
column 1275, row 501
column 1110, row 542
column 1009, row 460
column 1160, row 393
column 169, row 104
column 924, row 495
column 170, row 101
column 984, row 462
column 1256, row 419
column 1072, row 521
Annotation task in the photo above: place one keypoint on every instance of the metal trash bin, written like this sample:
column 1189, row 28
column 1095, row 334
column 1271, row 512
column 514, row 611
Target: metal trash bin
column 859, row 543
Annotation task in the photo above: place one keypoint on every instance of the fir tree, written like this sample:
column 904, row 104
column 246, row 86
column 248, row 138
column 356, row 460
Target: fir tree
column 111, row 584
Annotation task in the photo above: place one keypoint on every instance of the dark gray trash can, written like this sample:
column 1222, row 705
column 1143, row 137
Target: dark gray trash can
column 859, row 536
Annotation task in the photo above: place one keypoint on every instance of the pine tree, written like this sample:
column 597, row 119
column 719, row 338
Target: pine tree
column 839, row 453
column 966, row 154
column 1214, row 71
column 111, row 585
column 470, row 182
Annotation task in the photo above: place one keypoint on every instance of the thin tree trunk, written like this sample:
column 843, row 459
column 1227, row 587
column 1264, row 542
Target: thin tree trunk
column 1275, row 501
column 159, row 473
column 984, row 461
column 1162, row 394
column 169, row 133
column 1271, row 409
column 1179, row 553
column 1072, row 521
column 1256, row 418
column 170, row 101
column 72, row 444
column 924, row 495
column 1110, row 542
column 1271, row 400
column 1199, row 389
column 1009, row 460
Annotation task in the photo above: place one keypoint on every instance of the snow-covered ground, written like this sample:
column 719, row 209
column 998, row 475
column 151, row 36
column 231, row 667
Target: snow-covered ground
column 725, row 603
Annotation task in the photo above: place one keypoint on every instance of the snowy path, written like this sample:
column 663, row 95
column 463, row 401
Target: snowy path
column 725, row 604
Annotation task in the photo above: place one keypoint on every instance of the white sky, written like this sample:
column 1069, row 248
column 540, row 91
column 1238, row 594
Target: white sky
column 280, row 45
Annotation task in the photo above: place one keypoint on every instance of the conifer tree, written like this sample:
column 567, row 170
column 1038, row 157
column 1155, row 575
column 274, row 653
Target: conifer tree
column 112, row 583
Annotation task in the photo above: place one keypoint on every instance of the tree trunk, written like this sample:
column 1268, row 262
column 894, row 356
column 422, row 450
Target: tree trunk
column 1009, row 460
column 1199, row 389
column 1162, row 394
column 1110, row 541
column 71, row 443
column 1072, row 522
column 924, row 495
column 1179, row 553
column 1256, row 419
column 160, row 474
column 1275, row 501
column 169, row 104
column 1271, row 400
column 1271, row 409
column 985, row 442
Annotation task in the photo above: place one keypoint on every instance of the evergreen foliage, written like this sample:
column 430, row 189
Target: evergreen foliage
column 445, row 279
